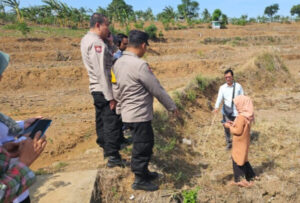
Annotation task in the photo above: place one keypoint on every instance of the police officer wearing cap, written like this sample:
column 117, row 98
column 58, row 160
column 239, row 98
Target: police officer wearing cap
column 98, row 60
column 134, row 88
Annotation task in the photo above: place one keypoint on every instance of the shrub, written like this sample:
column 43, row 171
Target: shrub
column 22, row 27
column 151, row 30
column 190, row 196
column 166, row 24
column 139, row 25
column 181, row 27
column 161, row 34
column 202, row 82
column 270, row 62
column 177, row 99
column 191, row 95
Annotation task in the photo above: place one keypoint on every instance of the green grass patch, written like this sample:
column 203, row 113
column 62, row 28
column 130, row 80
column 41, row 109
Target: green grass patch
column 41, row 31
column 202, row 82
column 191, row 95
column 60, row 165
column 41, row 171
column 270, row 62
column 190, row 196
column 178, row 100
column 165, row 147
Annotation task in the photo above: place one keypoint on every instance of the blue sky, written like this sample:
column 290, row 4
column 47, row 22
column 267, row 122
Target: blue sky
column 232, row 8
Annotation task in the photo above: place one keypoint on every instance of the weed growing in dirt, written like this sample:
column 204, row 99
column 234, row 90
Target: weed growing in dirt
column 202, row 82
column 127, row 150
column 41, row 171
column 159, row 121
column 190, row 196
column 191, row 95
column 165, row 147
column 60, row 166
column 115, row 192
column 201, row 54
column 179, row 176
column 270, row 62
column 177, row 100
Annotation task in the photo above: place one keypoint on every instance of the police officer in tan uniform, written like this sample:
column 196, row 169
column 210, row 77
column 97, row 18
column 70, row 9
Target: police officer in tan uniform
column 134, row 86
column 98, row 60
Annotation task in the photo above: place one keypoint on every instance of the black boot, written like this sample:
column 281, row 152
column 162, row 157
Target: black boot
column 143, row 184
column 151, row 176
column 114, row 161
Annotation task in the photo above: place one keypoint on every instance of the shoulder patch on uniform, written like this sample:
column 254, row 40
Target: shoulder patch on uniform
column 150, row 69
column 98, row 49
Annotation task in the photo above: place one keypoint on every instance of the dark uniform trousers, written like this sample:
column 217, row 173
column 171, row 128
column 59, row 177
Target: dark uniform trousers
column 227, row 130
column 143, row 141
column 108, row 126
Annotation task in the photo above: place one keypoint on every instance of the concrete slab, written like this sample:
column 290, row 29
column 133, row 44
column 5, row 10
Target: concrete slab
column 68, row 187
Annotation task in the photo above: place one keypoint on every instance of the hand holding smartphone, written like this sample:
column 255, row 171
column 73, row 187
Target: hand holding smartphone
column 39, row 125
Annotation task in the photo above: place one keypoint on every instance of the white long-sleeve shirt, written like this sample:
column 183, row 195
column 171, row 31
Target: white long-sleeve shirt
column 225, row 94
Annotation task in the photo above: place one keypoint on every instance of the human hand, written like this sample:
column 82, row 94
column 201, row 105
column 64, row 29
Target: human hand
column 112, row 104
column 12, row 148
column 30, row 150
column 230, row 122
column 215, row 111
column 30, row 121
column 227, row 125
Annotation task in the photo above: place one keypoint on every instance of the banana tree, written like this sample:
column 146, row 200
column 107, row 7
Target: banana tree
column 15, row 5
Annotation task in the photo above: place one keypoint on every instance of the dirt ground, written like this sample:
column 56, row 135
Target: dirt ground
column 46, row 77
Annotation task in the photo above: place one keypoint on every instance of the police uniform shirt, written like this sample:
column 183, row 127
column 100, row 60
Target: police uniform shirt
column 134, row 88
column 98, row 61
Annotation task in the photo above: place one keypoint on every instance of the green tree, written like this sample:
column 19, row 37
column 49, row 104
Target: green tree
column 168, row 13
column 206, row 16
column 2, row 10
column 102, row 11
column 144, row 15
column 224, row 20
column 119, row 11
column 167, row 16
column 262, row 19
column 271, row 10
column 216, row 15
column 295, row 10
column 188, row 9
column 15, row 5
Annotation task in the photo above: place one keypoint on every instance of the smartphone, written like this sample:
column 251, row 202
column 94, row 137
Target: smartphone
column 39, row 125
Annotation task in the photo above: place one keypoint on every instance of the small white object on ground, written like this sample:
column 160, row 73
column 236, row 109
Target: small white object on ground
column 132, row 197
column 187, row 141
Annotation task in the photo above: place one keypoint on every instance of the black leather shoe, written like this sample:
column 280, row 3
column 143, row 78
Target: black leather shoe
column 143, row 184
column 151, row 176
column 115, row 161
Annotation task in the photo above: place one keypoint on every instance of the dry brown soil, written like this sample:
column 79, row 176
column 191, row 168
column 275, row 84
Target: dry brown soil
column 46, row 77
